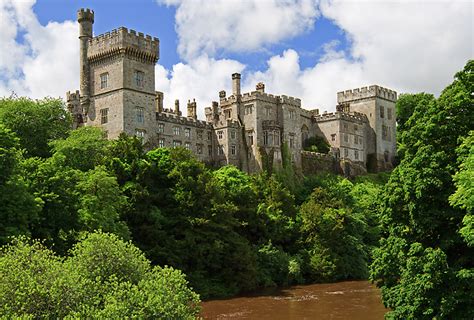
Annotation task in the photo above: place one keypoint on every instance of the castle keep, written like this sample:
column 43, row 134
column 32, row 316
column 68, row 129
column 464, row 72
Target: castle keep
column 249, row 130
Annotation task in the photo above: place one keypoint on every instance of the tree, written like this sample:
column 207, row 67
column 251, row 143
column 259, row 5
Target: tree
column 36, row 122
column 18, row 208
column 103, row 278
column 423, row 265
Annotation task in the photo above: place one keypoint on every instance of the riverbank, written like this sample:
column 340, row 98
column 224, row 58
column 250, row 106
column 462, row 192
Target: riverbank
column 342, row 300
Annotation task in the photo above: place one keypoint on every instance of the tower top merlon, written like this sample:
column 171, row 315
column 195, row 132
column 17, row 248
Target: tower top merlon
column 85, row 15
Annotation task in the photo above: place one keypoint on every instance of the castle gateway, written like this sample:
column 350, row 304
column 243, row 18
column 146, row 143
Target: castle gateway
column 249, row 130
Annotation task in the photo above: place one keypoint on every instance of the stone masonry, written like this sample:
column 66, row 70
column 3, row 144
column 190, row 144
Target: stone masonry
column 249, row 130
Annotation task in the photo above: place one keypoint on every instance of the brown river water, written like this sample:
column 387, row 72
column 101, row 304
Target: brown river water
column 354, row 300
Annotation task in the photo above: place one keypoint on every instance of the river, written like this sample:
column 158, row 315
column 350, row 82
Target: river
column 355, row 300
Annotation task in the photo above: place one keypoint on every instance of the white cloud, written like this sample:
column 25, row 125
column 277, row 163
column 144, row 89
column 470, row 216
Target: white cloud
column 45, row 62
column 231, row 25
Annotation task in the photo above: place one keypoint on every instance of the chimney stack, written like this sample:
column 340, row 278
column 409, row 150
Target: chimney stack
column 236, row 84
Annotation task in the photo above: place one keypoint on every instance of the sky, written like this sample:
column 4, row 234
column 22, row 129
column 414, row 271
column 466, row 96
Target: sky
column 309, row 49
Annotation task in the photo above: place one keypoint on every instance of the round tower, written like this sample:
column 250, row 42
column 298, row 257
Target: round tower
column 85, row 18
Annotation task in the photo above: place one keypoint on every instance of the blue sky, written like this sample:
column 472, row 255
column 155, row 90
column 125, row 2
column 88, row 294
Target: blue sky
column 305, row 48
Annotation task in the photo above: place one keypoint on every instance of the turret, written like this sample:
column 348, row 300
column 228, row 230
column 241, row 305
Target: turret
column 159, row 102
column 176, row 107
column 85, row 18
column 260, row 87
column 192, row 109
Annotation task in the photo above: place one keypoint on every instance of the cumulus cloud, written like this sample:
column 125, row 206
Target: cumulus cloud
column 36, row 60
column 232, row 25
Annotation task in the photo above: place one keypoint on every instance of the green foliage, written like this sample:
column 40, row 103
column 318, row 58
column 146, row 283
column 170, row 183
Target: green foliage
column 104, row 278
column 35, row 122
column 424, row 265
column 316, row 144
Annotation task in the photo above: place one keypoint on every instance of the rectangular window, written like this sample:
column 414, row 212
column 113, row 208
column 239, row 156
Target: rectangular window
column 220, row 150
column 199, row 148
column 187, row 132
column 384, row 132
column 104, row 116
column 333, row 137
column 104, row 80
column 220, row 134
column 356, row 154
column 209, row 150
column 140, row 133
column 355, row 127
column 346, row 153
column 161, row 127
column 268, row 111
column 292, row 140
column 209, row 135
column 382, row 112
column 346, row 137
column 356, row 140
column 292, row 115
column 176, row 131
column 199, row 134
column 232, row 134
column 139, row 78
column 345, row 126
column 276, row 138
column 389, row 113
column 176, row 143
column 228, row 114
column 161, row 143
column 248, row 109
column 187, row 145
column 250, row 138
column 140, row 114
column 232, row 150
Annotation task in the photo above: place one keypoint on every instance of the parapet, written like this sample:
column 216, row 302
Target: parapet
column 172, row 118
column 353, row 117
column 72, row 96
column 364, row 93
column 123, row 40
column 85, row 14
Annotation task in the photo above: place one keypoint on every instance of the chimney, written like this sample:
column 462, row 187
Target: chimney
column 236, row 84
column 176, row 107
column 260, row 87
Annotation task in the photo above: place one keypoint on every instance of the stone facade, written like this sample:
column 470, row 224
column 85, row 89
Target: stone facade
column 249, row 130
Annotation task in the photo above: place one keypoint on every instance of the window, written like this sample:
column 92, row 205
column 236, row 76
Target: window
column 140, row 114
column 292, row 140
column 161, row 127
column 187, row 145
column 228, row 114
column 292, row 114
column 268, row 138
column 346, row 152
column 355, row 127
column 199, row 134
column 248, row 109
column 268, row 111
column 389, row 113
column 176, row 143
column 104, row 115
column 232, row 150
column 250, row 138
column 209, row 135
column 209, row 150
column 384, row 132
column 139, row 78
column 333, row 137
column 232, row 134
column 382, row 112
column 220, row 150
column 356, row 139
column 176, row 131
column 345, row 126
column 220, row 134
column 104, row 80
column 199, row 148
column 346, row 137
column 276, row 139
column 140, row 133
column 161, row 143
column 356, row 154
column 187, row 132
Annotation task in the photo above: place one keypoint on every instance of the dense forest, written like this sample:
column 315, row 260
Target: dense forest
column 97, row 228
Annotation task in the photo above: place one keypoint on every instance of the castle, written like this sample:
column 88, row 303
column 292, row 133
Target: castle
column 249, row 130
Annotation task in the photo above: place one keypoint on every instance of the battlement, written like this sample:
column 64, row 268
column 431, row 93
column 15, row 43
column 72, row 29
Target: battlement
column 364, row 93
column 72, row 96
column 85, row 14
column 353, row 117
column 123, row 40
column 183, row 120
column 290, row 100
